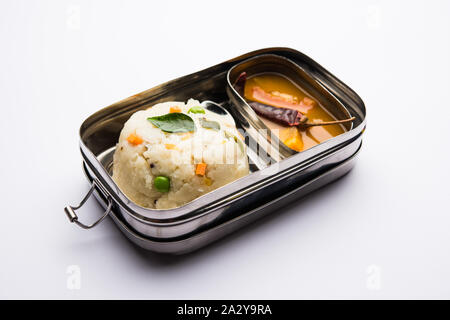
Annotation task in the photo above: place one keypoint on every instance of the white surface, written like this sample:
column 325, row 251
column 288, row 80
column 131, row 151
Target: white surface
column 388, row 220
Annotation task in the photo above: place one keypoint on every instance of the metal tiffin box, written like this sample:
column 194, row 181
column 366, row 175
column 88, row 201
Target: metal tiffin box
column 278, row 174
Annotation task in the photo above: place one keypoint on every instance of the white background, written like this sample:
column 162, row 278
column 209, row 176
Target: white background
column 383, row 231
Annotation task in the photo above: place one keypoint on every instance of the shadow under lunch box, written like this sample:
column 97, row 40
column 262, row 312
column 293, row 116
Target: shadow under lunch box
column 276, row 179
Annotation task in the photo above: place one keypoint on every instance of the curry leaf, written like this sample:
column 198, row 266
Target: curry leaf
column 173, row 122
column 196, row 109
column 209, row 124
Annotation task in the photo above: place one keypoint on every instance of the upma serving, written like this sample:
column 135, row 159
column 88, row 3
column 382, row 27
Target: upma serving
column 174, row 152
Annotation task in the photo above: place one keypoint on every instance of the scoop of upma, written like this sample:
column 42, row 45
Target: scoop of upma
column 174, row 152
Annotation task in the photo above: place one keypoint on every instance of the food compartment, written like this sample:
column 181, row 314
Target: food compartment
column 285, row 105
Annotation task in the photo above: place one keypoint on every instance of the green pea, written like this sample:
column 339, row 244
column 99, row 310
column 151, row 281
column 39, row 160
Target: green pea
column 162, row 184
column 196, row 109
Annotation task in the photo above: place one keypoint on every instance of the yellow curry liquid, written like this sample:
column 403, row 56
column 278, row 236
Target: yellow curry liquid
column 293, row 137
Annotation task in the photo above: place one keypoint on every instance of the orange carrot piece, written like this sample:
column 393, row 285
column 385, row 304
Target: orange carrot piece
column 134, row 139
column 292, row 138
column 200, row 169
column 175, row 109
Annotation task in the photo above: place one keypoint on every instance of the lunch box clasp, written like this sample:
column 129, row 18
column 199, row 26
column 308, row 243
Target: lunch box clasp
column 70, row 210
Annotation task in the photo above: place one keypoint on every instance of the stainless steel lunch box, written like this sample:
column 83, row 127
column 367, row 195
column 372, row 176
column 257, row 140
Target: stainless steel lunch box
column 275, row 180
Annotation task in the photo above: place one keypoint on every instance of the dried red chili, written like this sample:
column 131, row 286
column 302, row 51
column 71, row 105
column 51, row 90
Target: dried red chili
column 284, row 116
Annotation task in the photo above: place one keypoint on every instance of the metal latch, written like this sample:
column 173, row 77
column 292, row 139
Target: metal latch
column 70, row 210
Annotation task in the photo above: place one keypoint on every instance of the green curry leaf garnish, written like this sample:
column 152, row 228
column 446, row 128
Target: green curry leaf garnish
column 207, row 124
column 173, row 122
